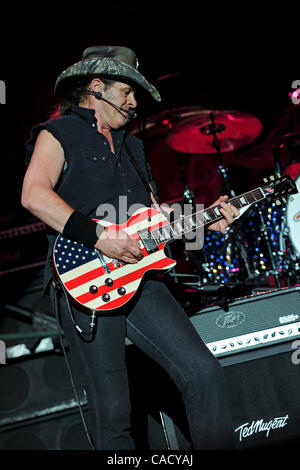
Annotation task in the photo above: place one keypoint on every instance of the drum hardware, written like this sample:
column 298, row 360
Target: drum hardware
column 253, row 243
column 158, row 126
column 285, row 254
column 243, row 253
column 189, row 280
column 212, row 133
column 276, row 156
column 293, row 220
column 188, row 195
column 176, row 276
column 208, row 129
column 188, row 198
column 214, row 129
column 287, row 267
column 290, row 228
column 192, row 290
column 290, row 143
column 235, row 235
column 279, row 151
column 265, row 232
column 195, row 135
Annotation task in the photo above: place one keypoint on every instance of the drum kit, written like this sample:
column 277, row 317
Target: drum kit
column 262, row 247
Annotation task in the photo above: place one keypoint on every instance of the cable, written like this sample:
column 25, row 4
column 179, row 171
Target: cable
column 76, row 326
column 131, row 114
column 67, row 362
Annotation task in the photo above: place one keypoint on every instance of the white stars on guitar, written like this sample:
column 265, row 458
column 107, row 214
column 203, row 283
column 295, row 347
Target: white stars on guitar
column 71, row 255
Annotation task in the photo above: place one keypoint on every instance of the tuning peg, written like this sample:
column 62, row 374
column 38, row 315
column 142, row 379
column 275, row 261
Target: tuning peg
column 272, row 178
column 266, row 180
column 291, row 198
column 278, row 202
column 284, row 200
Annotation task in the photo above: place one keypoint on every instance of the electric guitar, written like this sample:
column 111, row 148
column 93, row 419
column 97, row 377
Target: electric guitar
column 99, row 283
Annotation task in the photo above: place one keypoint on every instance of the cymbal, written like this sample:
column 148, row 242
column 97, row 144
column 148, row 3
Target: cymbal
column 233, row 130
column 161, row 123
column 262, row 156
column 293, row 170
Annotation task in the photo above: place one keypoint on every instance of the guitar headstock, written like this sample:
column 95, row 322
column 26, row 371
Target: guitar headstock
column 278, row 187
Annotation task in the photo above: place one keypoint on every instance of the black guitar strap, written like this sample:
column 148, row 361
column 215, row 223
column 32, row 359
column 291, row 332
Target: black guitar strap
column 138, row 169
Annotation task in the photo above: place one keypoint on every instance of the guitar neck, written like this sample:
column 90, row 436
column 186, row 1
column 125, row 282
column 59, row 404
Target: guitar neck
column 204, row 217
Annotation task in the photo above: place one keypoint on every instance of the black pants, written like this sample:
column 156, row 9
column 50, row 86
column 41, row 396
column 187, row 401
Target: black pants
column 158, row 326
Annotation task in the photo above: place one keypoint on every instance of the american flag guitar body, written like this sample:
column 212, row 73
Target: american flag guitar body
column 99, row 283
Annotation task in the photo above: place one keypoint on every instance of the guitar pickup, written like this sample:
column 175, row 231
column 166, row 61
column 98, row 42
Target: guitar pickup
column 147, row 240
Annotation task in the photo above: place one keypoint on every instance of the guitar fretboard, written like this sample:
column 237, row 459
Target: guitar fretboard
column 203, row 218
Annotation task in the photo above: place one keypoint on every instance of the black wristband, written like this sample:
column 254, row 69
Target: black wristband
column 82, row 229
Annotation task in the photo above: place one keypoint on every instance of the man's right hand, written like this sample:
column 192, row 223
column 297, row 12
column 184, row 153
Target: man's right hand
column 119, row 245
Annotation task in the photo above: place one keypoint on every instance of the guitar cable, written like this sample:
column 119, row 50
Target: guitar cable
column 56, row 287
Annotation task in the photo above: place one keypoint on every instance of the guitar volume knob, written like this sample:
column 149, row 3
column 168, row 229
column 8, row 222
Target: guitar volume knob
column 121, row 291
column 106, row 297
column 93, row 289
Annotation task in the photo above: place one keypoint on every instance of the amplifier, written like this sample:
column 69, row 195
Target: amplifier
column 249, row 324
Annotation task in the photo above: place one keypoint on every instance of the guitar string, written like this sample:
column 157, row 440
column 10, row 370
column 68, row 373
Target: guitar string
column 209, row 211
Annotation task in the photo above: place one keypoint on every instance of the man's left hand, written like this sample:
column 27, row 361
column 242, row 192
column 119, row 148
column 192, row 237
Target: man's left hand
column 228, row 211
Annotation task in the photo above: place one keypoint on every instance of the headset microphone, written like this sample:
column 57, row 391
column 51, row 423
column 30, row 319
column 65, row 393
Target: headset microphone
column 97, row 95
column 131, row 114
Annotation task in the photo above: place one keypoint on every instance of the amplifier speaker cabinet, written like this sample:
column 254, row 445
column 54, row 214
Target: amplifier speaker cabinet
column 38, row 407
column 263, row 402
column 251, row 327
column 256, row 340
column 59, row 431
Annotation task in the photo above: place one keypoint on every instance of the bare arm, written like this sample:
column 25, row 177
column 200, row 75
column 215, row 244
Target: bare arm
column 39, row 197
column 40, row 179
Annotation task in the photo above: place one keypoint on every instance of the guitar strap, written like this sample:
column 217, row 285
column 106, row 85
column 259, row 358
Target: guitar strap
column 139, row 171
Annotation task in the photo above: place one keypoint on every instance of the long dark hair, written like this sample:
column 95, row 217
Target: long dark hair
column 75, row 94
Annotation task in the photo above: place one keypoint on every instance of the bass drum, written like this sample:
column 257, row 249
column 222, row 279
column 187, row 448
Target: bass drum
column 293, row 218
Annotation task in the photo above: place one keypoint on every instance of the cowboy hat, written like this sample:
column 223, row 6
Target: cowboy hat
column 109, row 61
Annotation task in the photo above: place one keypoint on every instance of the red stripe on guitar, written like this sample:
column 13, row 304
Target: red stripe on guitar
column 134, row 219
column 158, row 225
column 116, row 303
column 88, row 276
column 122, row 281
column 94, row 273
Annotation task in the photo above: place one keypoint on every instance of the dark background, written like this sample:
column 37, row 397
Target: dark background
column 218, row 58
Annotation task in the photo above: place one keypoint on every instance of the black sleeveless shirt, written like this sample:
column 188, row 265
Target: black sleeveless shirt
column 92, row 175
